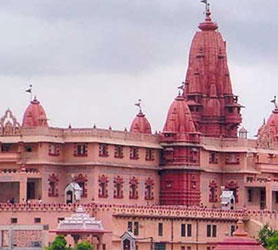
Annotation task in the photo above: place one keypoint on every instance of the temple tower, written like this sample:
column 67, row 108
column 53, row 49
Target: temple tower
column 208, row 89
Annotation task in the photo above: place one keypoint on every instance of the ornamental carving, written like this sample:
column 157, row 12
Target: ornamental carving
column 9, row 124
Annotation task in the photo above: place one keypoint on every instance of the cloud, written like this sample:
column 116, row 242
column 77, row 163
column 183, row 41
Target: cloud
column 91, row 59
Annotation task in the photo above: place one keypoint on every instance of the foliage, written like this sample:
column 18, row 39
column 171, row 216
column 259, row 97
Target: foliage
column 59, row 243
column 85, row 245
column 264, row 234
column 272, row 241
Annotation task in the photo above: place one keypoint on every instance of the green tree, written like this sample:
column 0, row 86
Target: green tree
column 59, row 243
column 272, row 241
column 85, row 245
column 264, row 234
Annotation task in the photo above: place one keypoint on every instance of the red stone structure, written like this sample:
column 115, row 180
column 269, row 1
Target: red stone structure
column 164, row 188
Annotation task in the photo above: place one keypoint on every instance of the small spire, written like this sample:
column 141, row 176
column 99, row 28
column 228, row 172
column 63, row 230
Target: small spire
column 274, row 101
column 94, row 126
column 139, row 105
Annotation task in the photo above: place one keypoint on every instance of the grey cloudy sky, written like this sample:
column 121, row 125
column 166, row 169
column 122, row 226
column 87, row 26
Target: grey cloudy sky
column 90, row 60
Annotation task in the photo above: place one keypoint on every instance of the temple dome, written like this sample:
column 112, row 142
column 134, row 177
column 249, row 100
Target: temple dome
column 140, row 124
column 270, row 129
column 34, row 115
column 179, row 120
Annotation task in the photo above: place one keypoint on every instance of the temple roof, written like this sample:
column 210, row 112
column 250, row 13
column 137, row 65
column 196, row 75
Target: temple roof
column 179, row 120
column 34, row 115
column 239, row 241
column 80, row 222
column 140, row 124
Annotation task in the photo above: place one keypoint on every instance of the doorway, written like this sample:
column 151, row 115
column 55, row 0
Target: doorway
column 69, row 196
column 126, row 244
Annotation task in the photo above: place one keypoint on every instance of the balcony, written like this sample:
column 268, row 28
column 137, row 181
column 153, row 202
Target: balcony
column 9, row 157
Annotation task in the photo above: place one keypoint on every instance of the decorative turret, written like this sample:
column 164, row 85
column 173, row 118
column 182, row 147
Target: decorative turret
column 179, row 124
column 34, row 115
column 208, row 89
column 140, row 123
column 268, row 132
column 180, row 177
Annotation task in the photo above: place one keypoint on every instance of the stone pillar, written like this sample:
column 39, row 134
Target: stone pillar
column 23, row 189
column 268, row 196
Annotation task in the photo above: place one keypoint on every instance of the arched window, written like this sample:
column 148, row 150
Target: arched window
column 118, row 187
column 232, row 186
column 133, row 188
column 149, row 184
column 103, row 186
column 82, row 182
column 213, row 191
column 53, row 185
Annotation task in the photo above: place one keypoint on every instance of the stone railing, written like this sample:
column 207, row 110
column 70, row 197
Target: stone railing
column 142, row 211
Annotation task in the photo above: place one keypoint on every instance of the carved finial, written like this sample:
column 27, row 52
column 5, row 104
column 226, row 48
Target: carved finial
column 139, row 105
column 110, row 128
column 69, row 126
column 275, row 102
column 29, row 90
column 207, row 6
column 181, row 87
column 94, row 126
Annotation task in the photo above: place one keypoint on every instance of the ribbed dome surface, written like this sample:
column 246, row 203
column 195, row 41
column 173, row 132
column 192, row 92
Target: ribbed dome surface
column 179, row 119
column 34, row 115
column 140, row 124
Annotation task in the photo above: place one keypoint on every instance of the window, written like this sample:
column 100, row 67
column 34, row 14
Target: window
column 188, row 248
column 149, row 184
column 211, row 231
column 82, row 182
column 189, row 230
column 182, row 230
column 129, row 226
column 37, row 220
column 80, row 150
column 28, row 149
column 232, row 158
column 182, row 248
column 208, row 230
column 214, row 230
column 133, row 188
column 13, row 220
column 5, row 147
column 136, row 228
column 213, row 191
column 103, row 150
column 118, row 187
column 149, row 155
column 186, row 230
column 103, row 186
column 53, row 185
column 118, row 151
column 276, row 196
column 54, row 149
column 134, row 154
column 213, row 158
column 250, row 195
column 233, row 228
column 160, row 229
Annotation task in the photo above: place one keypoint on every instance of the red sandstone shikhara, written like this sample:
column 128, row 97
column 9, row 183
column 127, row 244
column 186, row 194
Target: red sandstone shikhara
column 169, row 190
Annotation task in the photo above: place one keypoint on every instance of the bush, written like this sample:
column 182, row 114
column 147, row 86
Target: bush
column 59, row 243
column 85, row 245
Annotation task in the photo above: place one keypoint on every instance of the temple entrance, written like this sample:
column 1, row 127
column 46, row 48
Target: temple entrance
column 34, row 189
column 126, row 244
column 262, row 199
column 69, row 197
column 9, row 191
